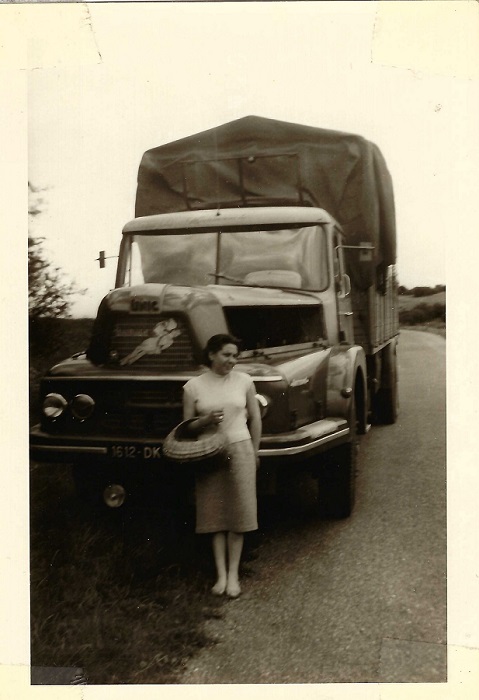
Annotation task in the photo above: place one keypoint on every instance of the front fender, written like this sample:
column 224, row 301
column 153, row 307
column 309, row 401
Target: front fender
column 346, row 377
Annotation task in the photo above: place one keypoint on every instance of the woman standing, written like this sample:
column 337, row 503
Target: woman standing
column 226, row 497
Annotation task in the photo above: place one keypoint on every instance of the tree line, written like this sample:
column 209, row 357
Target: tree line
column 49, row 293
column 421, row 291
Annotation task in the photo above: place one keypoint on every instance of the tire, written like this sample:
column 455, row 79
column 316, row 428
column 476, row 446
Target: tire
column 337, row 478
column 387, row 398
column 388, row 406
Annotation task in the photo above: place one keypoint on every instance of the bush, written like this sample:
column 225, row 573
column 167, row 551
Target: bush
column 50, row 341
column 423, row 313
column 426, row 291
column 422, row 291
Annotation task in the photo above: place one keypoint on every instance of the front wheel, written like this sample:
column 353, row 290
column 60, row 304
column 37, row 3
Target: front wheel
column 337, row 478
column 336, row 483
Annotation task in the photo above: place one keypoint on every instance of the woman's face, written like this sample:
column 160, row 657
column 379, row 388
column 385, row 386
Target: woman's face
column 223, row 361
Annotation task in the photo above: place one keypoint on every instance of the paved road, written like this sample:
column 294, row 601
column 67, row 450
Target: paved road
column 361, row 600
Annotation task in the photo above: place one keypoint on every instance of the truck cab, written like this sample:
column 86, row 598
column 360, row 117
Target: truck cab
column 273, row 277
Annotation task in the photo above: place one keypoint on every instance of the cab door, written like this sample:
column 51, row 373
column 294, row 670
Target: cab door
column 343, row 292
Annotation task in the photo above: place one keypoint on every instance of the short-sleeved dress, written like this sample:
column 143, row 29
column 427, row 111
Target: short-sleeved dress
column 226, row 497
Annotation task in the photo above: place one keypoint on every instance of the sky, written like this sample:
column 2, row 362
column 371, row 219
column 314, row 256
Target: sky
column 111, row 81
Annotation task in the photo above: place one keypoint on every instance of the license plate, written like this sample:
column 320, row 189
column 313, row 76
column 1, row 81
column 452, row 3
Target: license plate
column 136, row 452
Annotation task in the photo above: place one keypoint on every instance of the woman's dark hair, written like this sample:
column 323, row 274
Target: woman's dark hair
column 215, row 343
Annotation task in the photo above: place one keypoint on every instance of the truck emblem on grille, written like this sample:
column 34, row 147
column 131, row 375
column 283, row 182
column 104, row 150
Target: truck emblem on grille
column 163, row 335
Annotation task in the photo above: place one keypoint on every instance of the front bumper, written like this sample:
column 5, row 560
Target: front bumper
column 301, row 443
column 306, row 441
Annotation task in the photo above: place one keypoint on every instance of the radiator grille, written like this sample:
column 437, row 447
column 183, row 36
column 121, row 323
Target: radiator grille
column 138, row 345
column 139, row 423
column 147, row 411
column 167, row 395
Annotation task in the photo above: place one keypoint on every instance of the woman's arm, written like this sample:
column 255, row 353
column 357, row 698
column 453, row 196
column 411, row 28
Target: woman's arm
column 254, row 416
column 189, row 409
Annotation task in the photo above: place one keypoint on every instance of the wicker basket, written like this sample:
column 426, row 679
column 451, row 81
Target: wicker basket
column 181, row 446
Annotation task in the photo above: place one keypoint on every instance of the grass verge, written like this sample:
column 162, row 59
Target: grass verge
column 437, row 328
column 114, row 596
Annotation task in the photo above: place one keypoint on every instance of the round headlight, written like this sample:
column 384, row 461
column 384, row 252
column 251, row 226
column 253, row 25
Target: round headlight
column 82, row 406
column 114, row 495
column 54, row 405
column 264, row 404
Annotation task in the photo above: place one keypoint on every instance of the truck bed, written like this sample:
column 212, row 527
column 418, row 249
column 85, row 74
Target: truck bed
column 375, row 314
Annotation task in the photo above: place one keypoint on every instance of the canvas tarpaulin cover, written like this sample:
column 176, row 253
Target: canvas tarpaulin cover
column 254, row 161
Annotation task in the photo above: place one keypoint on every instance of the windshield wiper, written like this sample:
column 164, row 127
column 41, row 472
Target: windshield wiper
column 295, row 290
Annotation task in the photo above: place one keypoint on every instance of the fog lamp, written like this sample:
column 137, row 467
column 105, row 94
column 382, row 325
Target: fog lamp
column 54, row 405
column 82, row 406
column 264, row 404
column 114, row 495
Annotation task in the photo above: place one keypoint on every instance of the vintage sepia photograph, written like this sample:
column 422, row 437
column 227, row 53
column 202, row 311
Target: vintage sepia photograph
column 238, row 230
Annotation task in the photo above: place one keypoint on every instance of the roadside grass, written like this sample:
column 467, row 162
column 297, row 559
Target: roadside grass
column 114, row 596
column 426, row 313
column 438, row 328
column 407, row 301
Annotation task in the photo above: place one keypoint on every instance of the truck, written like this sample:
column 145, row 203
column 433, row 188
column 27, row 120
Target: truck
column 279, row 234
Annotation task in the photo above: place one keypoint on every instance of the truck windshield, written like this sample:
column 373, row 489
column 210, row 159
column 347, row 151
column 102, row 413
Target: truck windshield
column 294, row 258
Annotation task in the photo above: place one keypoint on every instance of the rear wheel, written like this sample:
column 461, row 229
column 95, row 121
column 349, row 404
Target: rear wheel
column 337, row 477
column 387, row 398
column 388, row 405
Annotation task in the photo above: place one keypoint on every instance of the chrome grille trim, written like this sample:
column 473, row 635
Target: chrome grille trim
column 157, row 377
column 161, row 397
column 139, row 422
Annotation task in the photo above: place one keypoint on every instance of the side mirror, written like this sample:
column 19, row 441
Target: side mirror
column 102, row 258
column 365, row 252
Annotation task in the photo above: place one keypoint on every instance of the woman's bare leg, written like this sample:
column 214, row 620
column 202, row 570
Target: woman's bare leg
column 219, row 553
column 235, row 547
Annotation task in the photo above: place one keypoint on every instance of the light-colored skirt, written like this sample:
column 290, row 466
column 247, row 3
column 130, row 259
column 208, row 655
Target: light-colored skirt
column 226, row 497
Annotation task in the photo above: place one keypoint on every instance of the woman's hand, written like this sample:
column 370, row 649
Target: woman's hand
column 215, row 417
column 202, row 422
